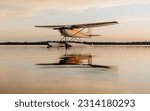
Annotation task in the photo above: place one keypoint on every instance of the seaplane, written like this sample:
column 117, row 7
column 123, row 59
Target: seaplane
column 76, row 31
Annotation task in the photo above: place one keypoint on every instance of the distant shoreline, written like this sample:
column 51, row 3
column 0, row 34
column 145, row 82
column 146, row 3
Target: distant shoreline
column 88, row 43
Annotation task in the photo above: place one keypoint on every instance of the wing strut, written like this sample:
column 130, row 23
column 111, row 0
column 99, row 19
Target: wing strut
column 66, row 41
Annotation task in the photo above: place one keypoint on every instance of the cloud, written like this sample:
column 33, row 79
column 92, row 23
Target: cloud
column 133, row 19
column 13, row 9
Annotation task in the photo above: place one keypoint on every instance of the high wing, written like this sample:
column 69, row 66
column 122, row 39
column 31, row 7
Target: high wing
column 76, row 26
column 51, row 26
column 90, row 25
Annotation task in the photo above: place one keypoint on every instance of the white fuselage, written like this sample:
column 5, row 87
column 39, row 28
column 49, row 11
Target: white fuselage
column 74, row 33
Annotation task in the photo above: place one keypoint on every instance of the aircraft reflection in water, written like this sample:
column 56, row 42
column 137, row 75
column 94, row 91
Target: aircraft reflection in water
column 74, row 61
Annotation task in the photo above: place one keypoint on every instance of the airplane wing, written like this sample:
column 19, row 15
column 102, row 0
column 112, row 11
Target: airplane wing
column 76, row 26
column 50, row 26
column 91, row 25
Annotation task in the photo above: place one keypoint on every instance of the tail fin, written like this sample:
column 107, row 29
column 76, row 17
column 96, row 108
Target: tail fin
column 90, row 31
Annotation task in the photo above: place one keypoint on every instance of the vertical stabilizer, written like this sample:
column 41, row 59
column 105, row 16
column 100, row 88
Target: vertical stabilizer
column 90, row 31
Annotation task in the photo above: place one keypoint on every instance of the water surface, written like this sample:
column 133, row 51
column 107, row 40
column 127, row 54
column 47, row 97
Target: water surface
column 129, row 70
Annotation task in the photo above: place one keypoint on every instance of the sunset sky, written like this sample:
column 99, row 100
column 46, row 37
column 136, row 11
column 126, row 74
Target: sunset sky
column 18, row 18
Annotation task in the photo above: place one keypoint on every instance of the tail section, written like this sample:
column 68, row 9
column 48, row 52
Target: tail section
column 95, row 35
column 90, row 33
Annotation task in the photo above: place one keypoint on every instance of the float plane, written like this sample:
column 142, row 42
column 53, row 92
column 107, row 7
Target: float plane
column 76, row 31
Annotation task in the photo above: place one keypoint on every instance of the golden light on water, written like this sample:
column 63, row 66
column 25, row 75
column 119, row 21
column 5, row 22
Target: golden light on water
column 20, row 74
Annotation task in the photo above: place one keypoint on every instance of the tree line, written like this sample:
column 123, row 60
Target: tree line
column 84, row 42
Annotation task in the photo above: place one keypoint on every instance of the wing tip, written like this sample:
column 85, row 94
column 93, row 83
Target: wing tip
column 116, row 22
column 37, row 26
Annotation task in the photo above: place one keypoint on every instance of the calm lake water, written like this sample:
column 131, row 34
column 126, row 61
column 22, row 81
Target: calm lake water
column 35, row 69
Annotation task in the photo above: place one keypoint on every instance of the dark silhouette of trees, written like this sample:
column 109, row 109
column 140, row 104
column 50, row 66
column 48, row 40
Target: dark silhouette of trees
column 88, row 43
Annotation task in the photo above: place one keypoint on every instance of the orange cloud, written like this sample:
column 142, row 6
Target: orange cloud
column 10, row 9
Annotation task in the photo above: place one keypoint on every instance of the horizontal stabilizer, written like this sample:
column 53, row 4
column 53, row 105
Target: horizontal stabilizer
column 95, row 35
